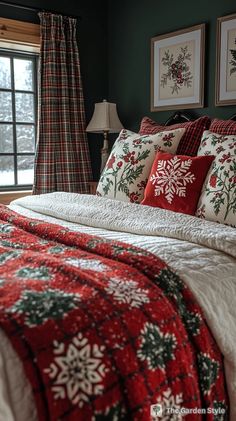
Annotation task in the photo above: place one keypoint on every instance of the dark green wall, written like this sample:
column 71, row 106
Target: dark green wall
column 92, row 41
column 114, row 45
column 131, row 25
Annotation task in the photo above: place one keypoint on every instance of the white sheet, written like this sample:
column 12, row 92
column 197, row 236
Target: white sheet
column 208, row 268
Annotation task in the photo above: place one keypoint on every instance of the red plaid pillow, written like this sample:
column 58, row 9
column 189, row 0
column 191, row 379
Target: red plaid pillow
column 190, row 141
column 175, row 182
column 225, row 127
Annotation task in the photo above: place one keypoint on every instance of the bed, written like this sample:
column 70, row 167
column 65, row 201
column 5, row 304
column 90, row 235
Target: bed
column 178, row 269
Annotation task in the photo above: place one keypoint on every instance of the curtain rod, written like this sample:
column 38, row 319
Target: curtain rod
column 33, row 9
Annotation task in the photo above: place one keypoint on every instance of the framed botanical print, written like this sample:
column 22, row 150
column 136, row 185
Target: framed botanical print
column 226, row 61
column 177, row 69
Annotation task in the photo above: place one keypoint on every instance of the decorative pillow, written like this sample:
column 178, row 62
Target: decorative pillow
column 127, row 169
column 225, row 127
column 190, row 141
column 175, row 182
column 218, row 198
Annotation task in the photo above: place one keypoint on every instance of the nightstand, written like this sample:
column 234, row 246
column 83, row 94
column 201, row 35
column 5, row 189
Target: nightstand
column 92, row 187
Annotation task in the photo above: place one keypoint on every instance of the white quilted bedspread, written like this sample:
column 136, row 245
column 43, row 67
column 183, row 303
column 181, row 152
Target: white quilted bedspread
column 201, row 252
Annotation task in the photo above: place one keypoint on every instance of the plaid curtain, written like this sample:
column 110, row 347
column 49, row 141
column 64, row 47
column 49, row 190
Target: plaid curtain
column 62, row 160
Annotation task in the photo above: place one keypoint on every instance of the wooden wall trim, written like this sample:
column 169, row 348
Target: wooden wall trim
column 19, row 32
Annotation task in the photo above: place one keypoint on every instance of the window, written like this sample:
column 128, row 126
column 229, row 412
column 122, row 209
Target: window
column 19, row 46
column 18, row 96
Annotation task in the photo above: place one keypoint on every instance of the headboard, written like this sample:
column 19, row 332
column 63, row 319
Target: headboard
column 178, row 117
column 233, row 117
column 181, row 117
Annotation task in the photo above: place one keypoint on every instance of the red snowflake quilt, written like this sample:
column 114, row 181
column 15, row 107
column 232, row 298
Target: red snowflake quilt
column 104, row 330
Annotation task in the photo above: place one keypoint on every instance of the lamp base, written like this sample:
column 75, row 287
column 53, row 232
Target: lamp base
column 104, row 151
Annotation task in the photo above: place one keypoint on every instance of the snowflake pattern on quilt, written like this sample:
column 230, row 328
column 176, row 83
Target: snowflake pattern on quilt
column 114, row 412
column 127, row 292
column 56, row 249
column 6, row 228
column 173, row 288
column 193, row 322
column 166, row 401
column 90, row 264
column 40, row 306
column 38, row 273
column 89, row 342
column 12, row 244
column 172, row 177
column 170, row 282
column 77, row 370
column 8, row 255
column 156, row 347
column 209, row 371
column 221, row 411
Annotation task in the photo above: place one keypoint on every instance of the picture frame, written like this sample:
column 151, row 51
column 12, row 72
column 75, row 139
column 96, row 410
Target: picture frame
column 177, row 69
column 225, row 82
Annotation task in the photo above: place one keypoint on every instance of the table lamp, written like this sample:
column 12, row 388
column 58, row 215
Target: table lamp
column 104, row 120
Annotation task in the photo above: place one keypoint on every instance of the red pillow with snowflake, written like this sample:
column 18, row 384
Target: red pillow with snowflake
column 175, row 182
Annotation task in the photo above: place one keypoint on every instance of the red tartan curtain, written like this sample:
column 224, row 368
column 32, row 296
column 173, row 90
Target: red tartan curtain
column 62, row 160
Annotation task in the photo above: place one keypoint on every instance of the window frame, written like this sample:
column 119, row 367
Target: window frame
column 15, row 154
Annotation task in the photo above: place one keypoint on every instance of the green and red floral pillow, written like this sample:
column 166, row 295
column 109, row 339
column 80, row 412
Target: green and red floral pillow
column 218, row 197
column 127, row 169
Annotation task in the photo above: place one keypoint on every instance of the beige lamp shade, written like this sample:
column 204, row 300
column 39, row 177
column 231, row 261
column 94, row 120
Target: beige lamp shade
column 104, row 119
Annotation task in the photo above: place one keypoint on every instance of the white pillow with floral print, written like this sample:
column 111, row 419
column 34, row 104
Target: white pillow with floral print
column 127, row 169
column 218, row 197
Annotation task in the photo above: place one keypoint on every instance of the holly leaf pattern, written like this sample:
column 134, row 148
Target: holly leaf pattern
column 218, row 198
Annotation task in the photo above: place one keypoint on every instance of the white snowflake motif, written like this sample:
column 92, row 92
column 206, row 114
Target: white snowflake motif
column 167, row 401
column 127, row 292
column 91, row 264
column 172, row 177
column 77, row 370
